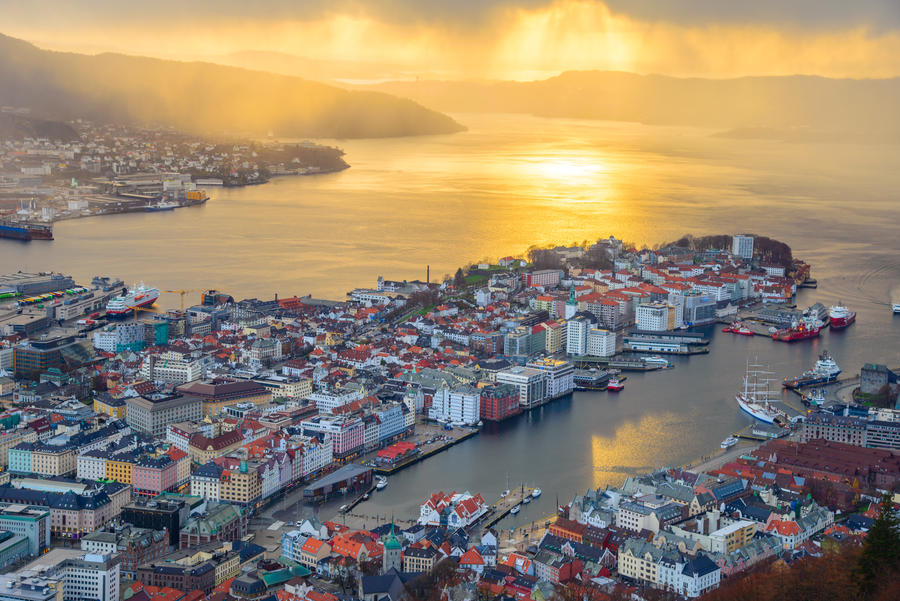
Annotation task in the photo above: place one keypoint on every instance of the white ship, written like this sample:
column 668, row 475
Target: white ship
column 755, row 399
column 895, row 307
column 729, row 442
column 137, row 296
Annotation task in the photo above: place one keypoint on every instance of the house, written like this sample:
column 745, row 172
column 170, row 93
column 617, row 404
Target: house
column 456, row 510
column 472, row 560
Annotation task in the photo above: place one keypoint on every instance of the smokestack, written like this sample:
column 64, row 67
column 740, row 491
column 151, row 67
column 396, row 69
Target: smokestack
column 428, row 274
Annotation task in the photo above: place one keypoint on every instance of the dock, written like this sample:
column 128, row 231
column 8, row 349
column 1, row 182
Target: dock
column 393, row 469
column 504, row 505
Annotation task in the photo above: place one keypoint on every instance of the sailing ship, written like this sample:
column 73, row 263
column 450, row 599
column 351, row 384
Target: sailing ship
column 756, row 398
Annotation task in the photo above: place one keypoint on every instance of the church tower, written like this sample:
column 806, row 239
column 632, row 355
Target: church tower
column 392, row 551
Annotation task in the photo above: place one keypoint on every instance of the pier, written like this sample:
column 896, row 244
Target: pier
column 504, row 505
column 393, row 469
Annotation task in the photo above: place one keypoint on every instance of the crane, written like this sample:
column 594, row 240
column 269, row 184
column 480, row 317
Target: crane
column 136, row 309
column 182, row 293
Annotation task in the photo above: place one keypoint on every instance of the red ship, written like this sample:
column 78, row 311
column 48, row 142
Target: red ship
column 738, row 328
column 798, row 331
column 840, row 316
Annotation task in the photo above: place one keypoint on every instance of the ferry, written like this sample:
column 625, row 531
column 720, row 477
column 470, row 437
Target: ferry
column 840, row 316
column 825, row 370
column 137, row 296
column 729, row 442
column 162, row 206
column 615, row 385
column 656, row 361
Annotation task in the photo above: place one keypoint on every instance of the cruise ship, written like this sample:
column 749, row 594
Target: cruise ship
column 137, row 296
column 754, row 399
column 825, row 370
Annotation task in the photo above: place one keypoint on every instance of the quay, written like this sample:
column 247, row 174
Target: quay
column 387, row 470
column 664, row 348
column 504, row 505
column 585, row 362
column 689, row 338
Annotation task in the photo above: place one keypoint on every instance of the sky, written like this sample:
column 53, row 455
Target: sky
column 498, row 39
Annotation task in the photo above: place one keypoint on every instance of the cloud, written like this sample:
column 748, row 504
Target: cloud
column 493, row 38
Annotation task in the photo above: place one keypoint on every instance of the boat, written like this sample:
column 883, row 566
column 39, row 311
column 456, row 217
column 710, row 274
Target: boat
column 738, row 327
column 825, row 370
column 162, row 206
column 380, row 483
column 656, row 360
column 536, row 493
column 808, row 327
column 505, row 493
column 526, row 500
column 754, row 399
column 135, row 297
column 515, row 510
column 840, row 316
column 816, row 397
column 365, row 497
column 615, row 385
column 20, row 230
column 729, row 442
column 895, row 308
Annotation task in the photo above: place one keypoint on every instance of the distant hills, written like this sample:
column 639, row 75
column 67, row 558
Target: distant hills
column 16, row 127
column 200, row 98
column 752, row 106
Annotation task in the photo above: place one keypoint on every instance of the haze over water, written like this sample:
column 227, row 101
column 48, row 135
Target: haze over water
column 510, row 182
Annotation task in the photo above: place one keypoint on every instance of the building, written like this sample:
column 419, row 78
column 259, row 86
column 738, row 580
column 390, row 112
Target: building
column 836, row 428
column 220, row 522
column 418, row 559
column 165, row 515
column 459, row 406
column 200, row 577
column 347, row 434
column 171, row 367
column 34, row 284
column 689, row 577
column 328, row 400
column 29, row 521
column 218, row 394
column 151, row 476
column 601, row 343
column 655, row 317
column 742, row 247
column 37, row 356
column 499, row 402
column 203, row 449
column 135, row 546
column 560, row 376
column 456, row 510
column 241, row 486
column 873, row 378
column 532, row 384
column 577, row 329
column 152, row 414
column 83, row 575
column 391, row 558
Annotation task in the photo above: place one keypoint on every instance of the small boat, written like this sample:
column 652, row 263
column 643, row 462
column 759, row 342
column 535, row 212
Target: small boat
column 365, row 497
column 381, row 483
column 505, row 493
column 729, row 442
column 816, row 397
column 615, row 385
column 656, row 360
column 515, row 510
column 896, row 308
column 526, row 500
column 738, row 327
column 344, row 508
column 536, row 493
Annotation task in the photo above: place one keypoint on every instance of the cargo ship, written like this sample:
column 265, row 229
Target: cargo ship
column 136, row 297
column 18, row 230
column 807, row 328
column 840, row 316
column 824, row 371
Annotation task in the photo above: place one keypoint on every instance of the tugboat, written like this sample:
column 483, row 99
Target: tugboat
column 615, row 385
column 738, row 327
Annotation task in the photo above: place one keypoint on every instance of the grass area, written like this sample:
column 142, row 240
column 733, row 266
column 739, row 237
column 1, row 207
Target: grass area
column 474, row 279
column 424, row 310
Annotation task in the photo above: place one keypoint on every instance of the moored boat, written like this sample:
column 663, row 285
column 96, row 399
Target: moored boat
column 536, row 493
column 135, row 297
column 802, row 330
column 754, row 399
column 515, row 510
column 738, row 327
column 615, row 385
column 825, row 370
column 729, row 442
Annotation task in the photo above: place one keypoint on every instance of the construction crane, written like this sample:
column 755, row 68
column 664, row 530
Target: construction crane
column 136, row 309
column 182, row 293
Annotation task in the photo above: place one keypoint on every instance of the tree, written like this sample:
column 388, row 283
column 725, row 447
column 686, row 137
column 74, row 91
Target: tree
column 459, row 280
column 881, row 550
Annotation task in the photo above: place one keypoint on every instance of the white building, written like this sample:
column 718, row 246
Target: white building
column 577, row 330
column 688, row 577
column 456, row 510
column 560, row 376
column 114, row 338
column 459, row 406
column 91, row 466
column 328, row 400
column 314, row 454
column 601, row 343
column 742, row 247
column 84, row 576
column 655, row 317
column 171, row 366
column 531, row 383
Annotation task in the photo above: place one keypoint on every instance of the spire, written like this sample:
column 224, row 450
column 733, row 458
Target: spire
column 572, row 300
column 392, row 542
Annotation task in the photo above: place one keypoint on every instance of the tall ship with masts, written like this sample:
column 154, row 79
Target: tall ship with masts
column 756, row 397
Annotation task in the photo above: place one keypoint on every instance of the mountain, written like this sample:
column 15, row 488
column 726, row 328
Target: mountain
column 16, row 127
column 763, row 106
column 200, row 97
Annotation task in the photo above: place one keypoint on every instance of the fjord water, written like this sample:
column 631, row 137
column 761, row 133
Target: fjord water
column 510, row 182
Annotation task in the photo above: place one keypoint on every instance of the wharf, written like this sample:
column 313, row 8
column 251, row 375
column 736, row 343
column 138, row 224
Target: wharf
column 389, row 470
column 504, row 505
column 702, row 350
column 620, row 364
